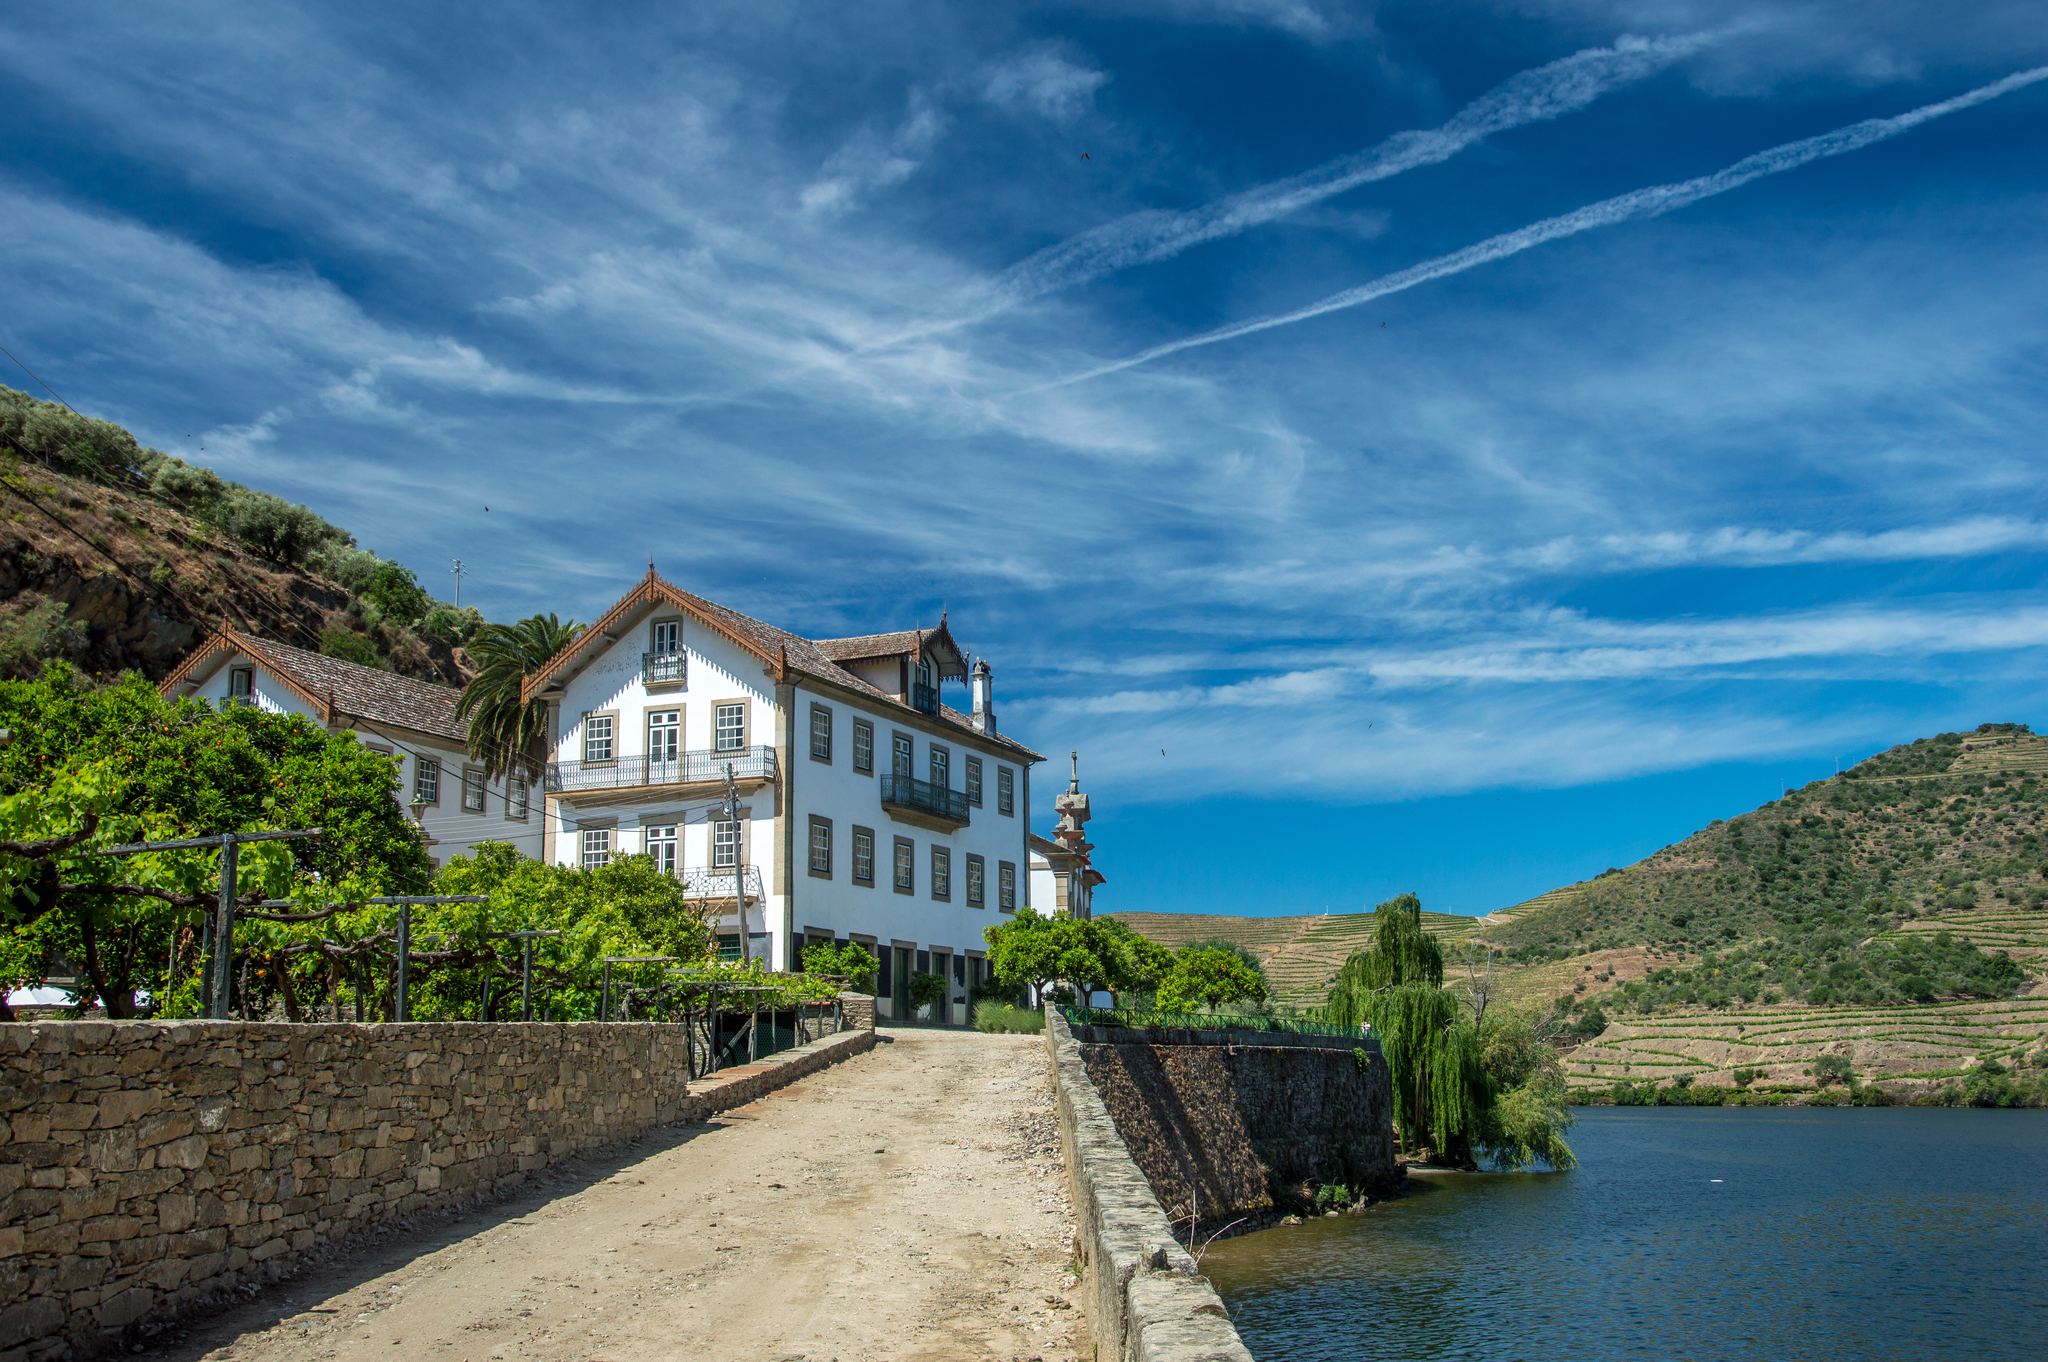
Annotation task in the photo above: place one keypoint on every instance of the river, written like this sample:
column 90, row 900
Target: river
column 1738, row 1233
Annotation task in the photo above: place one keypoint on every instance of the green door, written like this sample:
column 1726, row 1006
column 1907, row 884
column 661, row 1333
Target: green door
column 899, row 985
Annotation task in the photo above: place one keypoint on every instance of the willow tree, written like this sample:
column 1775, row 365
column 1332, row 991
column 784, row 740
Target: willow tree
column 1395, row 985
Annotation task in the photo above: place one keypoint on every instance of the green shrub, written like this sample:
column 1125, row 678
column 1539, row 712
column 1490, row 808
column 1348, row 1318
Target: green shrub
column 350, row 646
column 852, row 961
column 1832, row 1069
column 999, row 1018
column 929, row 990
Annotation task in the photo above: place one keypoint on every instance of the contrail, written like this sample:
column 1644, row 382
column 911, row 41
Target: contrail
column 1642, row 203
column 1535, row 96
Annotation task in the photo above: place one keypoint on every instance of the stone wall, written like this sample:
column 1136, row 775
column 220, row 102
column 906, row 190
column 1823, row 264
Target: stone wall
column 1149, row 1300
column 859, row 1011
column 1225, row 1129
column 148, row 1166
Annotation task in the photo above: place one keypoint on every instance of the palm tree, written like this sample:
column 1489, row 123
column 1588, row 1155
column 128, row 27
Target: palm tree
column 504, row 734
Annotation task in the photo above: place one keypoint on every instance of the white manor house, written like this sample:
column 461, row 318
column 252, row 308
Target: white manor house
column 868, row 809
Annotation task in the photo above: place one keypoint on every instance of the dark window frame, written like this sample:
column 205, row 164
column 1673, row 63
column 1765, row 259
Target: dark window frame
column 1006, row 792
column 823, row 712
column 971, row 781
column 977, row 880
column 909, row 753
column 938, row 756
column 1006, row 886
column 481, row 786
column 859, row 833
column 942, row 873
column 862, row 728
column 903, row 866
column 811, row 846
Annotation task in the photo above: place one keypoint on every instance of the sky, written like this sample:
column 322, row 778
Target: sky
column 1436, row 446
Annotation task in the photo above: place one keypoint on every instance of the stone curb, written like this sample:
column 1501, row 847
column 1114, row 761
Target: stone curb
column 1151, row 1303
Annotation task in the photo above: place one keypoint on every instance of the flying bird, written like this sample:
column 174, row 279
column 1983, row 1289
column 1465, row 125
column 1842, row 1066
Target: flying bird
column 1084, row 155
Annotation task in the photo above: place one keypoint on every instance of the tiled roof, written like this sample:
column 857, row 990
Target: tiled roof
column 329, row 685
column 373, row 694
column 771, row 645
column 873, row 645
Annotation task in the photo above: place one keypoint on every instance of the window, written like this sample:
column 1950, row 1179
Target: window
column 597, row 847
column 864, row 856
column 664, row 736
column 666, row 663
column 426, row 781
column 599, row 739
column 821, row 847
column 899, row 762
column 472, row 790
column 661, row 845
column 242, row 686
column 974, row 781
column 1006, row 886
column 905, row 872
column 977, row 889
column 942, row 873
column 730, row 732
column 942, row 767
column 515, row 798
column 725, row 845
column 863, row 747
column 821, row 733
column 1006, row 790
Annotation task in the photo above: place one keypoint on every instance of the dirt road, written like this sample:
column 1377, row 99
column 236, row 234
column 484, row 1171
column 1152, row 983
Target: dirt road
column 907, row 1204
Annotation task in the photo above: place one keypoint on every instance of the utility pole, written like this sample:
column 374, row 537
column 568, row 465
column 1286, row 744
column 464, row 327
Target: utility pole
column 458, row 570
column 739, row 869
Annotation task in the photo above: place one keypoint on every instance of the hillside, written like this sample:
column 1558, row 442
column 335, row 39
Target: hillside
column 1300, row 955
column 1872, row 887
column 1895, row 915
column 115, row 557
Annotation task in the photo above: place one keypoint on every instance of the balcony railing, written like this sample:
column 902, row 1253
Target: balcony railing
column 748, row 763
column 924, row 699
column 703, row 882
column 662, row 669
column 921, row 796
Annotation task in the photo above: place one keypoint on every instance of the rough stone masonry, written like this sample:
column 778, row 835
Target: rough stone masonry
column 147, row 1166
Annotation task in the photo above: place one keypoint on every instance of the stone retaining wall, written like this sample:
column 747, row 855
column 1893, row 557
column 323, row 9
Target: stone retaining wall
column 1150, row 1301
column 1229, row 1124
column 148, row 1166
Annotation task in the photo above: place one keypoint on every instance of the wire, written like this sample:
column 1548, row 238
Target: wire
column 32, row 374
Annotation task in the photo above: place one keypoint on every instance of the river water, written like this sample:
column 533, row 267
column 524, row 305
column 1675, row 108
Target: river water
column 1740, row 1233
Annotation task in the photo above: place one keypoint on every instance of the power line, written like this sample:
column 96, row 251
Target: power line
column 32, row 374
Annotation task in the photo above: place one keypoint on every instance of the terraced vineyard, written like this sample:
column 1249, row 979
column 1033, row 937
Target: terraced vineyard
column 1301, row 955
column 1932, row 1041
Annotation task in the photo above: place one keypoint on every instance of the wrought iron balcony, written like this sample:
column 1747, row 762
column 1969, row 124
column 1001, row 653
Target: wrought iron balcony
column 705, row 882
column 748, row 763
column 664, row 669
column 921, row 796
column 923, row 698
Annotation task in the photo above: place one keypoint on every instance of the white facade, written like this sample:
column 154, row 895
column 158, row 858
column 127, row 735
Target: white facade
column 412, row 722
column 655, row 701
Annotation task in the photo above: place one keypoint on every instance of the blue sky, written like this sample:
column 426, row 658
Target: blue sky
column 1585, row 536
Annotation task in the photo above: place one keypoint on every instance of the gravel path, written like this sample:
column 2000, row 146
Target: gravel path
column 909, row 1203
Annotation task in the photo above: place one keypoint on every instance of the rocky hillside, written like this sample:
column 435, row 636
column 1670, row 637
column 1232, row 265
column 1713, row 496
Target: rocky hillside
column 116, row 557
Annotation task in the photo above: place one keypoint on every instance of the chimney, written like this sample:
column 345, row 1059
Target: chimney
column 984, row 685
